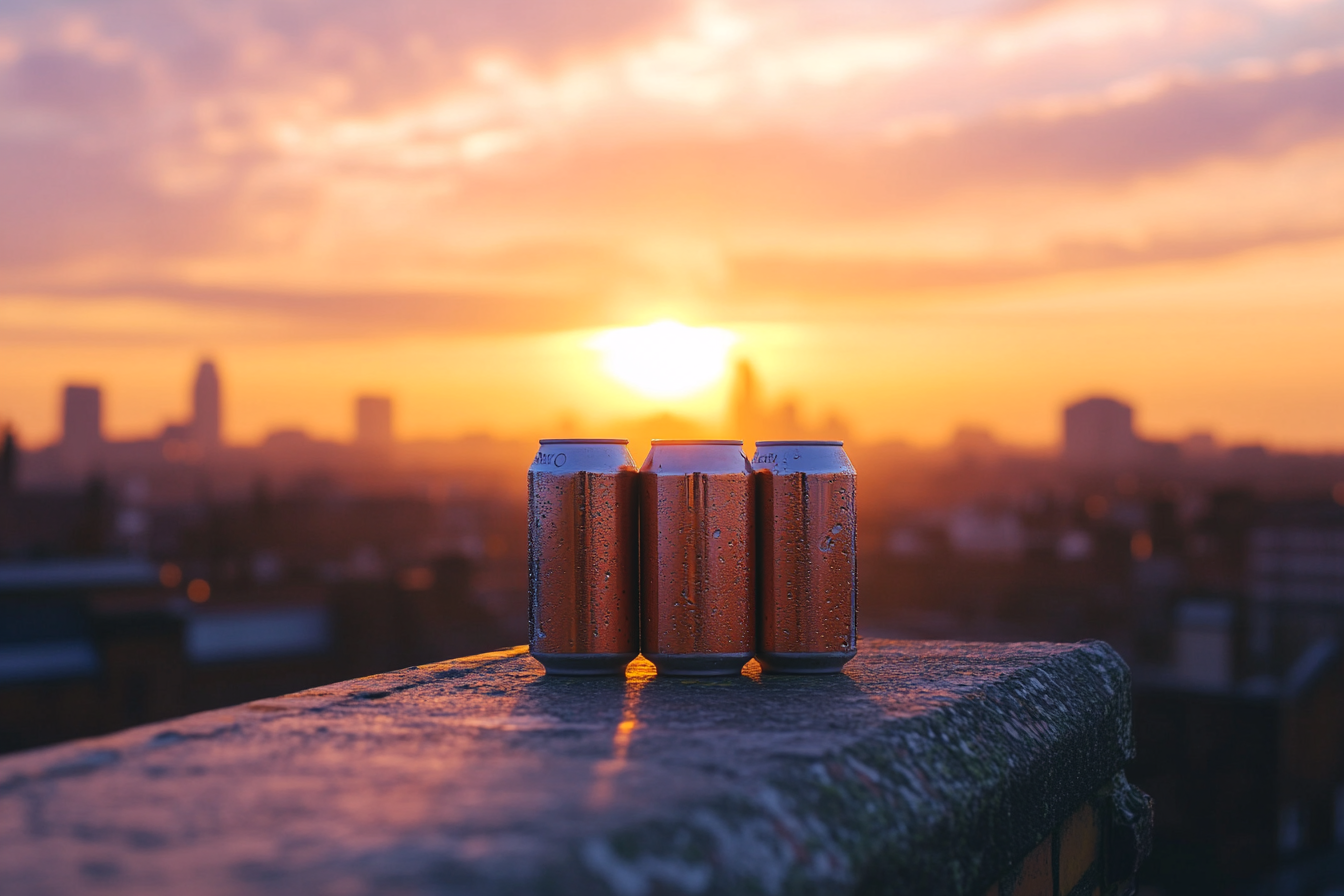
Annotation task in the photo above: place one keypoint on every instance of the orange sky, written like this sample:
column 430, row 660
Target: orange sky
column 914, row 215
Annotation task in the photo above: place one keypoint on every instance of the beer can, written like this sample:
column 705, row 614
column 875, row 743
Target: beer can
column 697, row 564
column 806, row 540
column 582, row 556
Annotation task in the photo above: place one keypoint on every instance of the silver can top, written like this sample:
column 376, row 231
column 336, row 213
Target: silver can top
column 797, row 456
column 582, row 456
column 676, row 456
column 696, row 442
column 585, row 441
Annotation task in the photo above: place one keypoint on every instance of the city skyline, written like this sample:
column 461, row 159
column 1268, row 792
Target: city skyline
column 1093, row 430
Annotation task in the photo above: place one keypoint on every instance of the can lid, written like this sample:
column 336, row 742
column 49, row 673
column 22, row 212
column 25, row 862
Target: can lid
column 802, row 442
column 584, row 441
column 696, row 441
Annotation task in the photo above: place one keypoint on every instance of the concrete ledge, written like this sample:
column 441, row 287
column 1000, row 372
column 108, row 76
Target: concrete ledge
column 929, row 767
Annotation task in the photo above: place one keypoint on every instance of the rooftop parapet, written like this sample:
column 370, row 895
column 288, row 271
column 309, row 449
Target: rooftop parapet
column 928, row 767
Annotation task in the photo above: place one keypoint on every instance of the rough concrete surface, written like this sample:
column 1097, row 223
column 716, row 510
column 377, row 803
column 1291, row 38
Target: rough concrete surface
column 927, row 767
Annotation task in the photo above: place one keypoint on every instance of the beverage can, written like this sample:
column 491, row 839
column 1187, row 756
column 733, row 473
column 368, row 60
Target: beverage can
column 697, row 563
column 806, row 539
column 583, row 574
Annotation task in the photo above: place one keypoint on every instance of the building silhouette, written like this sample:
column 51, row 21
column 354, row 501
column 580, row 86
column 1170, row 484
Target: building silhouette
column 81, row 426
column 745, row 406
column 1099, row 432
column 205, row 420
column 9, row 462
column 373, row 421
column 751, row 417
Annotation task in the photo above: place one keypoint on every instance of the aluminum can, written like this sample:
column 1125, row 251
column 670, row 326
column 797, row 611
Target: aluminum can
column 582, row 556
column 806, row 540
column 697, row 557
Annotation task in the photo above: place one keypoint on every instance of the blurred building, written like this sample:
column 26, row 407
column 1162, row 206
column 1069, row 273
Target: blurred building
column 1099, row 432
column 81, row 426
column 745, row 403
column 1295, row 568
column 67, row 670
column 1200, row 446
column 373, row 421
column 9, row 462
column 206, row 415
column 92, row 645
column 1248, row 774
column 1204, row 643
column 751, row 417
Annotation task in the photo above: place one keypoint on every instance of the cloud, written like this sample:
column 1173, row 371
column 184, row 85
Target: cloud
column 75, row 84
column 853, row 281
column 481, row 301
column 1105, row 143
column 1188, row 121
column 510, row 164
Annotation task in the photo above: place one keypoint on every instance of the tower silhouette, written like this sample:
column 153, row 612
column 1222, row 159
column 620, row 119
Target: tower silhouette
column 205, row 420
column 745, row 410
column 9, row 462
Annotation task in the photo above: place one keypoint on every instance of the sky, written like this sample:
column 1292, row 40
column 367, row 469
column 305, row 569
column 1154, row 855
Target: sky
column 912, row 215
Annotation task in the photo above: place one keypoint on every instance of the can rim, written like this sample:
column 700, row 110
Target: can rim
column 695, row 441
column 583, row 441
column 836, row 443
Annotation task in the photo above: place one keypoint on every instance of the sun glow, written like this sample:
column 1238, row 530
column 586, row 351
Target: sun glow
column 665, row 359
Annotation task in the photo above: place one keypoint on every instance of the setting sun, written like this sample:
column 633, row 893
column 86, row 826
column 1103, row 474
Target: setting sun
column 665, row 359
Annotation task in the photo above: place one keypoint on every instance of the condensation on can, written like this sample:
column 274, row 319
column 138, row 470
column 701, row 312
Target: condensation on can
column 807, row 539
column 583, row 575
column 697, row 558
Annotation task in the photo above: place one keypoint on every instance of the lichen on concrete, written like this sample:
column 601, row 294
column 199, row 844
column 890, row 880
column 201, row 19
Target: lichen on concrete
column 927, row 767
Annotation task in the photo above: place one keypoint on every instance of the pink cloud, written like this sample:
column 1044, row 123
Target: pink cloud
column 140, row 134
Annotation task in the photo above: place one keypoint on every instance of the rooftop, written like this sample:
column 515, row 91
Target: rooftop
column 927, row 767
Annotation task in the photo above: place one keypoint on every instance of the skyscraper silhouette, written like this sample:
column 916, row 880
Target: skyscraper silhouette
column 373, row 421
column 82, row 427
column 205, row 420
column 1099, row 432
column 82, row 419
column 745, row 409
column 9, row 462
